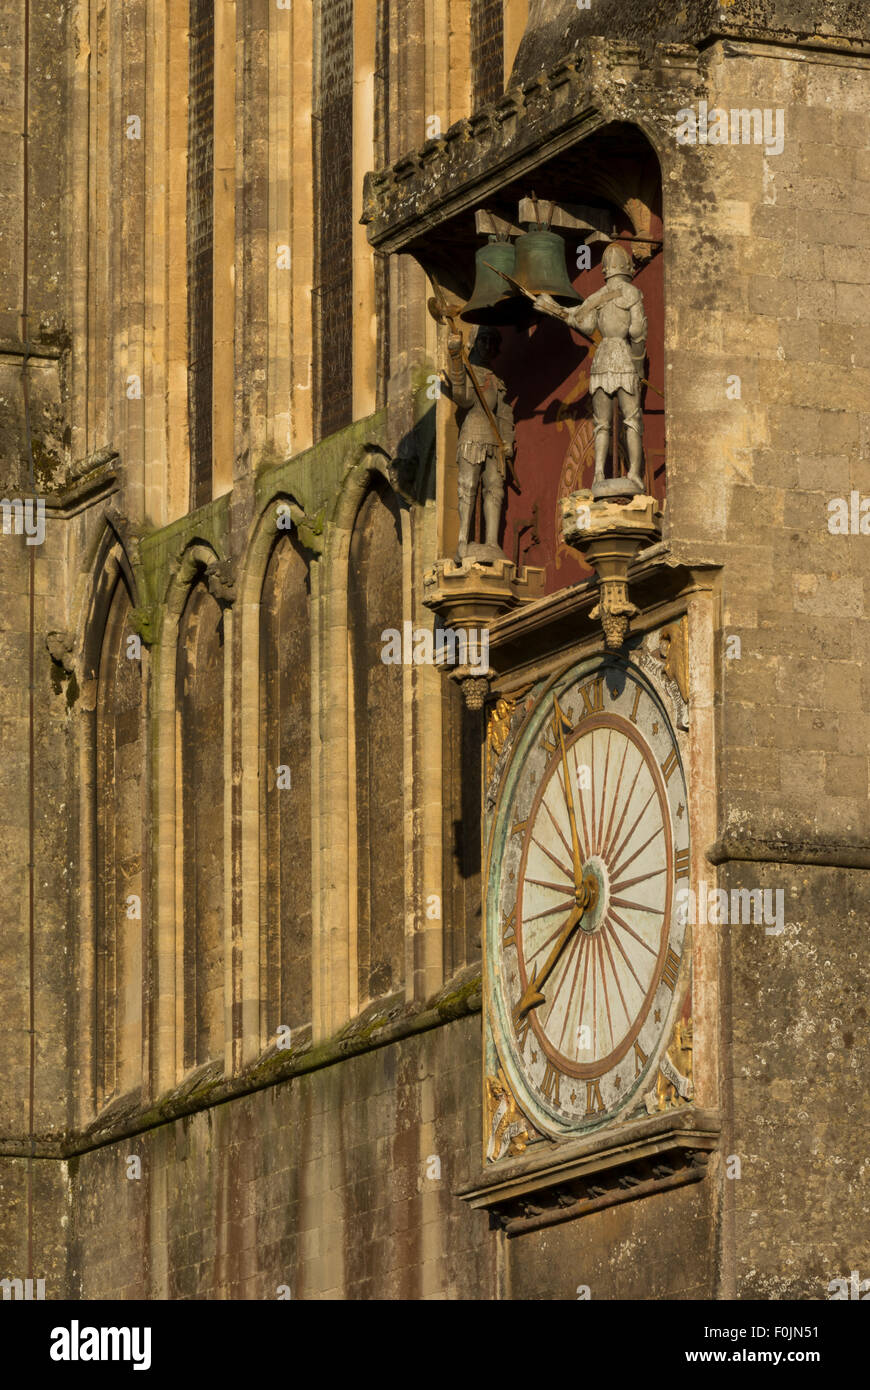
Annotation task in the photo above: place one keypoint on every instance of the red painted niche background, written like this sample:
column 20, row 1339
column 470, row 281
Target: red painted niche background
column 545, row 368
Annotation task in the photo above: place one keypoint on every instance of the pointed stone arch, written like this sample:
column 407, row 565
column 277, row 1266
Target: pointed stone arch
column 340, row 980
column 192, row 819
column 277, row 606
column 112, row 959
column 375, row 600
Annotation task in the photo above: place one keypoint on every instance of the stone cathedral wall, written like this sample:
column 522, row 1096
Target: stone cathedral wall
column 332, row 1170
column 780, row 266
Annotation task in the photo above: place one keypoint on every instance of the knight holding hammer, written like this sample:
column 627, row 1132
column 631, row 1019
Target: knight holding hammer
column 615, row 315
column 486, row 439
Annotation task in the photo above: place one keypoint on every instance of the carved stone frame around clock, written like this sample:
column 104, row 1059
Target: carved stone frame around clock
column 539, row 1181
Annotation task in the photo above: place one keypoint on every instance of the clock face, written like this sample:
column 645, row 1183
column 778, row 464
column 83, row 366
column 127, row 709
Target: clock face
column 584, row 936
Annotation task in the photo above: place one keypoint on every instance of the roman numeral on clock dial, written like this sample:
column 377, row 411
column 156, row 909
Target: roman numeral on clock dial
column 671, row 970
column 592, row 695
column 558, row 722
column 669, row 764
column 594, row 1103
column 509, row 928
column 633, row 715
column 550, row 1083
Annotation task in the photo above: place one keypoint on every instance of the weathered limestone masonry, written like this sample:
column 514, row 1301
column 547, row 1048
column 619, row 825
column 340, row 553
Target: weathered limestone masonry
column 331, row 1168
column 780, row 298
column 34, row 349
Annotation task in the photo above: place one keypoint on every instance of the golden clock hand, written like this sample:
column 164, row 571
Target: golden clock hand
column 532, row 996
column 569, row 798
column 587, row 897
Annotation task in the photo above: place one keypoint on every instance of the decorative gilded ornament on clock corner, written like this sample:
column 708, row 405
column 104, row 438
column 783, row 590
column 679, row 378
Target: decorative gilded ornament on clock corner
column 507, row 1127
column 674, row 1084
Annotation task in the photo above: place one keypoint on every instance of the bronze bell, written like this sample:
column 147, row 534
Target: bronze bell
column 541, row 269
column 492, row 299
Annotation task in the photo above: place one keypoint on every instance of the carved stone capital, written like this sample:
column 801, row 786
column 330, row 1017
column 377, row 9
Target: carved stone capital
column 221, row 580
column 609, row 532
column 468, row 597
column 60, row 647
column 471, row 593
column 144, row 621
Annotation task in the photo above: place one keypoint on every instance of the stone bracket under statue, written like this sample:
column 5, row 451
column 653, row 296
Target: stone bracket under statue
column 609, row 532
column 468, row 596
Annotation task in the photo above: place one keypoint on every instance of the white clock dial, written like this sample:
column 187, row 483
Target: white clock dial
column 589, row 844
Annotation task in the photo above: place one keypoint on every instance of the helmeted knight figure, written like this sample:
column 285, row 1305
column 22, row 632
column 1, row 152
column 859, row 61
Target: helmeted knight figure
column 617, row 365
column 486, row 440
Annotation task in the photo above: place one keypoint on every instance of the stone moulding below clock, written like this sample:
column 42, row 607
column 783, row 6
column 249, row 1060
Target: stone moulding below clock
column 552, row 1183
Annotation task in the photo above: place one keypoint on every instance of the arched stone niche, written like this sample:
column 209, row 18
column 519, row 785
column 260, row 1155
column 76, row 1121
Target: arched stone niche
column 597, row 178
column 199, row 690
column 120, row 771
column 285, row 782
column 375, row 588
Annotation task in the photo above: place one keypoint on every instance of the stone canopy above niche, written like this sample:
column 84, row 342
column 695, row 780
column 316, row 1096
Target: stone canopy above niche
column 425, row 203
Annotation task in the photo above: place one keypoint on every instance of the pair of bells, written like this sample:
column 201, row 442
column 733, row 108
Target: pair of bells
column 536, row 261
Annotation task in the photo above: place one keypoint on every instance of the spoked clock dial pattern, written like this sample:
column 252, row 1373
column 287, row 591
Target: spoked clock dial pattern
column 588, row 947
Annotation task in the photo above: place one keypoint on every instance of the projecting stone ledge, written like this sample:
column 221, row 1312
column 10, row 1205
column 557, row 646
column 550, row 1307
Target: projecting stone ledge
column 600, row 82
column 558, row 1182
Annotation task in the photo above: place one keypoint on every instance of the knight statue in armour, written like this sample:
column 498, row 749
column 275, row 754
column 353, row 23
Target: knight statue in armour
column 486, row 440
column 617, row 312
